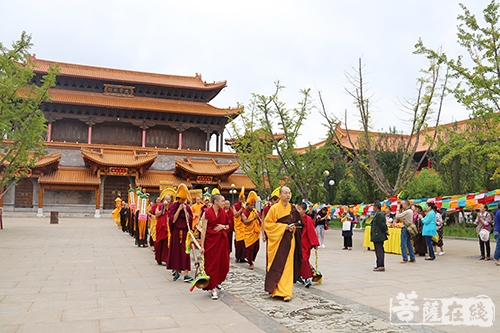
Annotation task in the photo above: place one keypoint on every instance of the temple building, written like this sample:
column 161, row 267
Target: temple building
column 109, row 129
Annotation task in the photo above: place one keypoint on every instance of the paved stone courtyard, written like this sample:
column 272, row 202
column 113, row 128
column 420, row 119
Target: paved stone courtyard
column 85, row 275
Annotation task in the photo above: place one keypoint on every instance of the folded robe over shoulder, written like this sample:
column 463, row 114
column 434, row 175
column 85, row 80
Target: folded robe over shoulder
column 284, row 250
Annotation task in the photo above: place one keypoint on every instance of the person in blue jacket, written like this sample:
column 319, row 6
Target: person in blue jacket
column 429, row 228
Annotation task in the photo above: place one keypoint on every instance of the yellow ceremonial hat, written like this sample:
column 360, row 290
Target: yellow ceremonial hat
column 215, row 191
column 252, row 197
column 276, row 192
column 183, row 192
column 170, row 191
column 242, row 193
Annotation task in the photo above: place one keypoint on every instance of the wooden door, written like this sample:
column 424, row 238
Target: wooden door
column 24, row 194
column 112, row 186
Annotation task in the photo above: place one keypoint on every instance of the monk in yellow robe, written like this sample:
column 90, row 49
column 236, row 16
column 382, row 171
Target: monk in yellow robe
column 196, row 209
column 283, row 247
column 251, row 227
column 115, row 214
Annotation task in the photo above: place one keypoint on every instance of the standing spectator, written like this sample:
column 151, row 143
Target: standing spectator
column 389, row 217
column 439, row 229
column 429, row 229
column 418, row 239
column 347, row 224
column 311, row 212
column 405, row 214
column 378, row 235
column 496, row 232
column 320, row 225
column 483, row 221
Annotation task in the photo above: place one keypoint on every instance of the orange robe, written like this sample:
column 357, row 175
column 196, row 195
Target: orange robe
column 284, row 257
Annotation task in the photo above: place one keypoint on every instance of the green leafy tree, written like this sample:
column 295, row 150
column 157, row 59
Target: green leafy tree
column 22, row 123
column 477, row 86
column 426, row 184
column 265, row 140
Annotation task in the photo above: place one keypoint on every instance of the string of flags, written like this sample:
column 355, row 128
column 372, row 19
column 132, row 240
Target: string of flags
column 467, row 202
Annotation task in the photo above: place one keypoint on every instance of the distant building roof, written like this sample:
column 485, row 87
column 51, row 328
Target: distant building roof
column 120, row 75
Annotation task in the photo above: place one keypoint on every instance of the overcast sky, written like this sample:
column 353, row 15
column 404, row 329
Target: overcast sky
column 251, row 44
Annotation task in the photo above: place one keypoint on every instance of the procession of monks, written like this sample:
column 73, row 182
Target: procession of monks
column 179, row 226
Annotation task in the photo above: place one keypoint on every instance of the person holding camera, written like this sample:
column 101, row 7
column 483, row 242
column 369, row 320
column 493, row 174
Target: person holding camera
column 405, row 215
column 321, row 220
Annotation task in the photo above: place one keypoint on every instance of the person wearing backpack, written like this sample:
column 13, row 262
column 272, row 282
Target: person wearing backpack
column 484, row 222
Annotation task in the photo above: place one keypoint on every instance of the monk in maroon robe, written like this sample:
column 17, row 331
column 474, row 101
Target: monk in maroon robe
column 161, row 243
column 230, row 214
column 309, row 240
column 179, row 216
column 214, row 243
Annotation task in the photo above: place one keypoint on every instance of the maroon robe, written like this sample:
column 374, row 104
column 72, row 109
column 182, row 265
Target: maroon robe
column 178, row 259
column 161, row 243
column 230, row 215
column 216, row 248
column 309, row 239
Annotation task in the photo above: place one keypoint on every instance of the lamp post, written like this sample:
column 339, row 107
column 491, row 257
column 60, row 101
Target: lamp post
column 328, row 182
column 232, row 191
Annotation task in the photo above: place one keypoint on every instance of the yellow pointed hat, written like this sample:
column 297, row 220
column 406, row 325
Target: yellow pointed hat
column 276, row 192
column 242, row 193
column 183, row 192
column 252, row 197
column 215, row 191
column 170, row 191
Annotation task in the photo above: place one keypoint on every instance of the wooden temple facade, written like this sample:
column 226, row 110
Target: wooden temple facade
column 109, row 129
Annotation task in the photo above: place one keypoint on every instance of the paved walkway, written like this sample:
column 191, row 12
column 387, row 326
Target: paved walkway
column 85, row 275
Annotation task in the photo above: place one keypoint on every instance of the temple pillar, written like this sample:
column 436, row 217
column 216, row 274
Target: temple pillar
column 143, row 138
column 208, row 140
column 221, row 140
column 89, row 139
column 97, row 213
column 180, row 141
column 40, row 202
column 49, row 132
column 217, row 136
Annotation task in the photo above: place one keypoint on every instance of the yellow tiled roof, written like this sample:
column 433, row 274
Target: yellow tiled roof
column 138, row 103
column 205, row 167
column 112, row 74
column 152, row 178
column 70, row 176
column 123, row 158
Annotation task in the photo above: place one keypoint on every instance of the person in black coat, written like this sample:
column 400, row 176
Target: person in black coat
column 379, row 233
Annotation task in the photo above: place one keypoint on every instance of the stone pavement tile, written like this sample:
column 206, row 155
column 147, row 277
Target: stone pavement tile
column 204, row 318
column 35, row 297
column 69, row 289
column 14, row 308
column 198, row 329
column 20, row 290
column 239, row 328
column 86, row 326
column 63, row 305
column 143, row 323
column 161, row 310
column 9, row 284
column 43, row 316
column 126, row 287
column 127, row 301
column 78, row 282
column 96, row 294
column 9, row 328
column 97, row 313
column 44, row 283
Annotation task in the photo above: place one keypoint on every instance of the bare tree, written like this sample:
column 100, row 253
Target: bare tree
column 431, row 90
